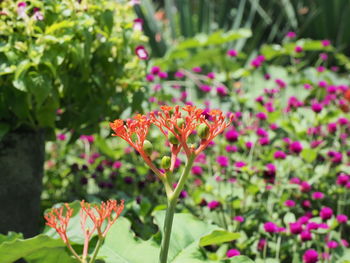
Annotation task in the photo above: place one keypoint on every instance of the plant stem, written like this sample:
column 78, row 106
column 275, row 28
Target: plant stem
column 169, row 216
column 97, row 248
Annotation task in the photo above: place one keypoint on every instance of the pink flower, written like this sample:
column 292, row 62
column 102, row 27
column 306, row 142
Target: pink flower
column 291, row 34
column 295, row 180
column 261, row 116
column 141, row 52
column 213, row 205
column 232, row 135
column 295, row 147
column 261, row 244
column 317, row 195
column 221, row 90
column 305, row 187
column 316, row 107
column 326, row 43
column 289, row 203
column 239, row 219
column 197, row 69
column 310, row 256
column 179, row 75
column 279, row 155
column 197, row 170
column 295, row 228
column 342, row 218
column 271, row 227
column 37, row 14
column 232, row 53
column 305, row 236
column 61, row 137
column 298, row 49
column 138, row 24
column 332, row 244
column 223, row 161
column 326, row 213
column 205, row 88
column 232, row 253
column 240, row 164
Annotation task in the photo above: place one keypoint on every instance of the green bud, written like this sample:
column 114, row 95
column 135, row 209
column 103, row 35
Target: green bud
column 147, row 147
column 180, row 123
column 172, row 138
column 203, row 131
column 166, row 162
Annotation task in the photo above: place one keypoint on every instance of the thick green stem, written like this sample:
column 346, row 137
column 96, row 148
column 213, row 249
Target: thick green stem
column 169, row 216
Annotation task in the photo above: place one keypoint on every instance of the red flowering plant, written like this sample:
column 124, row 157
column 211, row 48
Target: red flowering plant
column 177, row 125
column 102, row 216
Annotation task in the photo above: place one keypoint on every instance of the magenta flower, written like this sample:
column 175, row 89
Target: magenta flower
column 222, row 90
column 162, row 75
column 21, row 9
column 197, row 69
column 197, row 170
column 249, row 145
column 295, row 147
column 37, row 14
column 232, row 135
column 317, row 195
column 332, row 244
column 271, row 227
column 298, row 49
column 116, row 165
column 279, row 155
column 343, row 179
column 262, row 244
column 280, row 83
column 155, row 70
column 295, row 228
column 231, row 148
column 223, row 161
column 150, row 78
column 289, row 203
column 141, row 52
column 232, row 253
column 316, row 107
column 342, row 219
column 213, row 205
column 232, row 53
column 240, row 164
column 239, row 219
column 310, row 256
column 179, row 75
column 291, row 34
column 138, row 24
column 305, row 236
column 61, row 137
column 205, row 88
column 326, row 43
column 305, row 187
column 323, row 56
column 295, row 180
column 326, row 213
column 261, row 132
column 261, row 116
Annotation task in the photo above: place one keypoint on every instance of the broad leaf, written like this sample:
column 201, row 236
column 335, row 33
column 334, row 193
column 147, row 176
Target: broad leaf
column 218, row 237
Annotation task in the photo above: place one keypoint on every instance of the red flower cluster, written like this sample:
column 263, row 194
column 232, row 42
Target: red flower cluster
column 109, row 211
column 177, row 126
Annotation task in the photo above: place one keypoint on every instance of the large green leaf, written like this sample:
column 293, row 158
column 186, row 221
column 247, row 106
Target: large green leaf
column 121, row 246
column 41, row 248
column 241, row 259
column 186, row 233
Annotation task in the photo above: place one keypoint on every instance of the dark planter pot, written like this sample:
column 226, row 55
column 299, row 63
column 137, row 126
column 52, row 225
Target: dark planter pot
column 21, row 171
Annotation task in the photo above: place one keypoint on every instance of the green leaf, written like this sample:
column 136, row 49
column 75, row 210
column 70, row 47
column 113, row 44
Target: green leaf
column 34, row 248
column 309, row 155
column 4, row 129
column 121, row 246
column 241, row 259
column 218, row 237
column 186, row 233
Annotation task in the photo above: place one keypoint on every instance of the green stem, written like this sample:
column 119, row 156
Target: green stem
column 169, row 216
column 97, row 248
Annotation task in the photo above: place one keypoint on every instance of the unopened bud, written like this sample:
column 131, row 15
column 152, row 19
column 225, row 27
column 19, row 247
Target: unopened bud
column 180, row 123
column 203, row 131
column 172, row 138
column 166, row 162
column 147, row 147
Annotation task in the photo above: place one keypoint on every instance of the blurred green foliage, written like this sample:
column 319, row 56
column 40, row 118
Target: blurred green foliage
column 66, row 63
